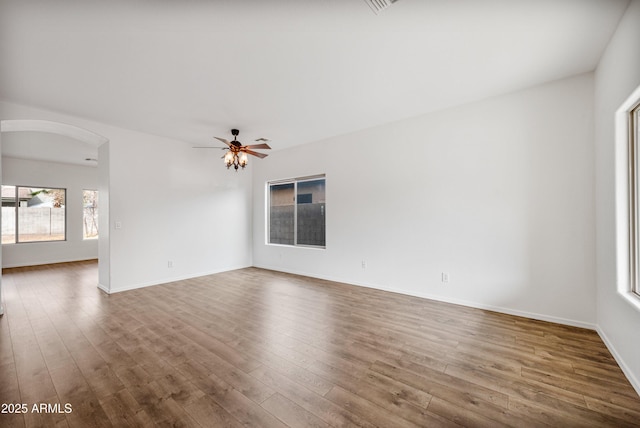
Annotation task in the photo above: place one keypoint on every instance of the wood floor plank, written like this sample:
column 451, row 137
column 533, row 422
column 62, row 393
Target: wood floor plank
column 9, row 389
column 515, row 386
column 209, row 413
column 368, row 410
column 328, row 411
column 123, row 410
column 572, row 414
column 254, row 347
column 292, row 414
column 440, row 384
column 229, row 373
column 578, row 384
column 628, row 414
column 462, row 416
column 9, row 392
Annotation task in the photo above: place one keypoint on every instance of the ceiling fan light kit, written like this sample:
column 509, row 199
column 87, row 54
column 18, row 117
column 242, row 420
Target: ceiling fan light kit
column 237, row 154
column 235, row 158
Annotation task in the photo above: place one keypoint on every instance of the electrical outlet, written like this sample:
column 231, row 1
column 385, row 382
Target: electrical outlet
column 170, row 263
column 364, row 264
column 445, row 277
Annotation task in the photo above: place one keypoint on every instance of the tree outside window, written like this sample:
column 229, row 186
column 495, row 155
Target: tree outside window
column 90, row 214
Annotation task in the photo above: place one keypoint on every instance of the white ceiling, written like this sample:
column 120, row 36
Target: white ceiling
column 292, row 71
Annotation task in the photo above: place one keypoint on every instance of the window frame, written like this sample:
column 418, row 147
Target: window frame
column 634, row 199
column 16, row 207
column 627, row 176
column 295, row 182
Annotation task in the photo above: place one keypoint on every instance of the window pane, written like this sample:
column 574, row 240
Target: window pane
column 41, row 214
column 90, row 214
column 310, row 215
column 8, row 214
column 281, row 214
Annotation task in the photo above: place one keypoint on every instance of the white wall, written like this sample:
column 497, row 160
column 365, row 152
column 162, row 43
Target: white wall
column 74, row 179
column 617, row 75
column 173, row 202
column 498, row 193
column 104, row 220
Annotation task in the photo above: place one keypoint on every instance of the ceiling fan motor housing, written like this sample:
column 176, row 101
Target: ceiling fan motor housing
column 235, row 143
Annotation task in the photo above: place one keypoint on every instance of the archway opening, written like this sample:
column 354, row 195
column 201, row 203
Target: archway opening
column 59, row 133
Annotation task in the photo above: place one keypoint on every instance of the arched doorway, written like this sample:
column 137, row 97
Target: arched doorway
column 45, row 126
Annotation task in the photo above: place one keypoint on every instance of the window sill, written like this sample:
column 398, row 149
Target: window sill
column 632, row 298
column 32, row 242
column 307, row 247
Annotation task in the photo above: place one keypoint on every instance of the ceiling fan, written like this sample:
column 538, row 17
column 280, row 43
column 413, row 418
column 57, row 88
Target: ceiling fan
column 236, row 155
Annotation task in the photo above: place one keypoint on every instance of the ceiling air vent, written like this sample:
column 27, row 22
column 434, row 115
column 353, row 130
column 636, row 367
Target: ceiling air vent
column 378, row 6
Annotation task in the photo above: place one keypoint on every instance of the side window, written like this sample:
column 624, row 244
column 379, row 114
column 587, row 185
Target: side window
column 89, row 214
column 634, row 198
column 627, row 199
column 296, row 212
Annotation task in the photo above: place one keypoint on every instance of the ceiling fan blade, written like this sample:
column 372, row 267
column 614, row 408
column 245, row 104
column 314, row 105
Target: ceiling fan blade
column 251, row 152
column 210, row 147
column 258, row 146
column 223, row 140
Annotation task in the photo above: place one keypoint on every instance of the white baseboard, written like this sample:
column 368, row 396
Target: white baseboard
column 166, row 280
column 625, row 369
column 47, row 262
column 509, row 311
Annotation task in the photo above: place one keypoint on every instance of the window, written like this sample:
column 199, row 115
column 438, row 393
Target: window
column 634, row 197
column 627, row 199
column 90, row 214
column 33, row 214
column 297, row 212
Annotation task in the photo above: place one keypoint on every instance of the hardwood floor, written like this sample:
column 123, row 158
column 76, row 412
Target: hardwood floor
column 265, row 349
